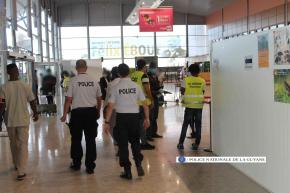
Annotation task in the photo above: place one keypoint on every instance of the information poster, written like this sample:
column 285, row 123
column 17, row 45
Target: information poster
column 263, row 50
column 156, row 19
column 282, row 85
column 281, row 47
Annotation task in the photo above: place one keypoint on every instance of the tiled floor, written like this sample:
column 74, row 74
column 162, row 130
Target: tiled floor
column 48, row 171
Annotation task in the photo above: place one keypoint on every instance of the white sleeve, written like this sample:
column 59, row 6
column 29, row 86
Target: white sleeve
column 113, row 97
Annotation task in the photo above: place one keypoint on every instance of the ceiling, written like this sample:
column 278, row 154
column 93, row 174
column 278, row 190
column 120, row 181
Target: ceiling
column 195, row 7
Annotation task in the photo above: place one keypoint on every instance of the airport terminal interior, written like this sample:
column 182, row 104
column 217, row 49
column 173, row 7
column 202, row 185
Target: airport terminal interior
column 242, row 49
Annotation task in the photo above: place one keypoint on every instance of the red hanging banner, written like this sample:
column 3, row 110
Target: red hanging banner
column 156, row 19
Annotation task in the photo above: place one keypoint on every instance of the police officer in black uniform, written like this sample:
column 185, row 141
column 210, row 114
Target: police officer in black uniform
column 84, row 97
column 125, row 97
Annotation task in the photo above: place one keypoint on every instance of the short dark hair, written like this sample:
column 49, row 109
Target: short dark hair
column 123, row 70
column 153, row 64
column 194, row 68
column 81, row 63
column 114, row 72
column 140, row 64
column 9, row 67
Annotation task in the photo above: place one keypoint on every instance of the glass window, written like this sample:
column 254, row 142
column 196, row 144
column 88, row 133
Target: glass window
column 73, row 32
column 171, row 62
column 105, row 31
column 9, row 35
column 44, row 50
column 35, row 45
column 130, row 62
column 197, row 40
column 105, row 42
column 22, row 39
column 74, row 43
column 8, row 10
column 49, row 37
column 43, row 31
column 74, row 54
column 109, row 64
column 172, row 44
column 137, row 43
column 42, row 17
column 49, row 23
column 22, row 13
column 105, row 47
column 51, row 51
column 34, row 26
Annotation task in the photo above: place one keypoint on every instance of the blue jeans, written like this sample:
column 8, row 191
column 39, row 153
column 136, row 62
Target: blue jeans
column 191, row 116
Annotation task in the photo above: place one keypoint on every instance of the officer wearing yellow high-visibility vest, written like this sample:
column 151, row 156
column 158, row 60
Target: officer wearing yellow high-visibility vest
column 141, row 78
column 192, row 89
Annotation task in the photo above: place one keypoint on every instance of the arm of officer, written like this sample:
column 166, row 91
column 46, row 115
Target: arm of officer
column 68, row 101
column 99, row 100
column 107, row 117
column 147, row 90
column 109, row 110
column 146, row 120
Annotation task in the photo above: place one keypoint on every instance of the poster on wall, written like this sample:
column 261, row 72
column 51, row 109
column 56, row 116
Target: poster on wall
column 263, row 50
column 281, row 47
column 156, row 19
column 282, row 85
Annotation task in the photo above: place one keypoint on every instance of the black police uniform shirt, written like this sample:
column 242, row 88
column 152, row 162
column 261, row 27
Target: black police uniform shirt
column 84, row 91
column 125, row 96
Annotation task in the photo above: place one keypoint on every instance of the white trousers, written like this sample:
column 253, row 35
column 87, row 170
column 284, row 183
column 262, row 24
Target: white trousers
column 18, row 137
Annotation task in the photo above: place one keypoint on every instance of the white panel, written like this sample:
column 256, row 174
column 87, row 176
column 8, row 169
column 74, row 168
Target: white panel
column 246, row 120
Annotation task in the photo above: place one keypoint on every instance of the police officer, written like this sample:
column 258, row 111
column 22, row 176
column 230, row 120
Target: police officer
column 141, row 78
column 124, row 99
column 84, row 97
column 192, row 89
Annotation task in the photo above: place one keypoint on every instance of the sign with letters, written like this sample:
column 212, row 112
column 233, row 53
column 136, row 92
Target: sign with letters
column 156, row 19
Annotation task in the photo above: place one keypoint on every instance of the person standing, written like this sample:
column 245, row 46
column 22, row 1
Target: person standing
column 115, row 79
column 48, row 86
column 124, row 99
column 155, row 87
column 192, row 89
column 15, row 95
column 140, row 77
column 104, row 81
column 84, row 97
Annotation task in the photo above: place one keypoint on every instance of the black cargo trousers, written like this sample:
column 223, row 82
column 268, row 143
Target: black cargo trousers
column 127, row 130
column 84, row 120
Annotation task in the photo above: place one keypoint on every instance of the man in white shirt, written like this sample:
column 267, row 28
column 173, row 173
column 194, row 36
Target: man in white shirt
column 84, row 97
column 15, row 95
column 124, row 98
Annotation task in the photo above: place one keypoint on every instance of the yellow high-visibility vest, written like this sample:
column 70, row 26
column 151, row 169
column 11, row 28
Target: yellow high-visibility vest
column 137, row 77
column 194, row 96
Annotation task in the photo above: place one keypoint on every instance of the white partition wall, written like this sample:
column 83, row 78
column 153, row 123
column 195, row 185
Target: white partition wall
column 246, row 120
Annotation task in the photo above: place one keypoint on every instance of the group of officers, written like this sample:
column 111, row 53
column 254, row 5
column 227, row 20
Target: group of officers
column 130, row 112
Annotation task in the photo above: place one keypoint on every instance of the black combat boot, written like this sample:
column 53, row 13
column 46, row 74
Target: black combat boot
column 127, row 173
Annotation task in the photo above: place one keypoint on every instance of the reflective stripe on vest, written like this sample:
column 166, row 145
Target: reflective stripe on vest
column 193, row 96
column 137, row 78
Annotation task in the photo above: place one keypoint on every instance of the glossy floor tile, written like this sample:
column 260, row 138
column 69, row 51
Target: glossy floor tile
column 48, row 171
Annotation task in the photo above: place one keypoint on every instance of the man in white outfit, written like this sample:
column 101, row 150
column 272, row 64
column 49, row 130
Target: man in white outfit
column 15, row 96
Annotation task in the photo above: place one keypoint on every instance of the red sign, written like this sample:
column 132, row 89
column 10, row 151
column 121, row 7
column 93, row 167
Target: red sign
column 156, row 20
